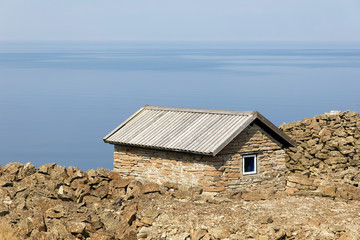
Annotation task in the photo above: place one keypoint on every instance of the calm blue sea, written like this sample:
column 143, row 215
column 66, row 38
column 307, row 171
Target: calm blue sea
column 58, row 100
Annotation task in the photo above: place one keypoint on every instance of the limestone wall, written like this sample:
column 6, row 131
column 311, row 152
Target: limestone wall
column 212, row 174
column 327, row 159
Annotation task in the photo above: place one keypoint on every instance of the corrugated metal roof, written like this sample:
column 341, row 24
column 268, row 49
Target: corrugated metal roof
column 199, row 131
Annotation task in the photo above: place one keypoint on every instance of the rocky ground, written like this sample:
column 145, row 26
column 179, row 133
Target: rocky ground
column 285, row 218
column 53, row 202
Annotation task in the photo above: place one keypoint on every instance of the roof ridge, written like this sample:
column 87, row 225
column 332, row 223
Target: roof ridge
column 189, row 129
column 200, row 110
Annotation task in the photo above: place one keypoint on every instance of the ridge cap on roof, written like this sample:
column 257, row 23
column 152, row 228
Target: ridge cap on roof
column 200, row 110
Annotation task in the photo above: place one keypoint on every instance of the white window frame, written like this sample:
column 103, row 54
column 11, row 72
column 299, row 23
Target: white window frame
column 255, row 164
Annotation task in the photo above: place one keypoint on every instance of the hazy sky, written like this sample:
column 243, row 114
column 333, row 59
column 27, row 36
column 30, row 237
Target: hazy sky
column 180, row 20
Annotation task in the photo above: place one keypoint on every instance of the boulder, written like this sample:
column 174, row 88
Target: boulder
column 27, row 170
column 59, row 230
column 101, row 190
column 75, row 227
column 11, row 170
column 6, row 181
column 150, row 188
column 119, row 182
column 133, row 190
column 66, row 193
column 257, row 195
column 300, row 179
column 38, row 222
column 198, row 234
column 219, row 232
column 74, row 173
column 58, row 211
column 37, row 235
column 129, row 213
column 56, row 172
column 102, row 235
column 148, row 217
column 4, row 210
column 46, row 168
column 329, row 191
column 102, row 172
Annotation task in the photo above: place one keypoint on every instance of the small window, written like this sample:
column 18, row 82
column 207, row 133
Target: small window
column 249, row 164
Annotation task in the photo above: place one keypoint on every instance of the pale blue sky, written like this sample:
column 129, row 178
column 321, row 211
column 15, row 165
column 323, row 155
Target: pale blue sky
column 180, row 20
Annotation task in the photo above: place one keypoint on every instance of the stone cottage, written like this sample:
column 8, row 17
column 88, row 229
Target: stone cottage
column 216, row 150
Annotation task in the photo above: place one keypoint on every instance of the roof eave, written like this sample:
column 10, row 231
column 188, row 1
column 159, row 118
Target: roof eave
column 275, row 130
column 122, row 124
column 160, row 148
column 257, row 116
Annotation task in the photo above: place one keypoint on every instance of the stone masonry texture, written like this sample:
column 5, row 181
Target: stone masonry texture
column 220, row 173
column 326, row 160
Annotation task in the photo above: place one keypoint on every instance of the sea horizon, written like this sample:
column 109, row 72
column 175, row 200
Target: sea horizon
column 81, row 45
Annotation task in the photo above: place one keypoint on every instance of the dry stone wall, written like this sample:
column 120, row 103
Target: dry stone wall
column 57, row 203
column 54, row 202
column 213, row 174
column 327, row 159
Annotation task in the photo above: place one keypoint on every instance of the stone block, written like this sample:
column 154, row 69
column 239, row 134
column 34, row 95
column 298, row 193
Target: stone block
column 212, row 173
column 75, row 227
column 56, row 212
column 213, row 188
column 336, row 160
column 329, row 191
column 150, row 188
column 102, row 172
column 291, row 191
column 321, row 155
column 12, row 168
column 119, row 182
column 146, row 221
column 256, row 196
column 291, row 184
column 233, row 175
column 129, row 213
column 219, row 232
column 303, row 180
